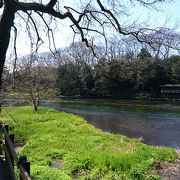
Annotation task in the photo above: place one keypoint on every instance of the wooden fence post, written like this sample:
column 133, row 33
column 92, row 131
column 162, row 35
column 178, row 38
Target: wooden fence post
column 12, row 158
column 7, row 130
column 11, row 137
column 25, row 164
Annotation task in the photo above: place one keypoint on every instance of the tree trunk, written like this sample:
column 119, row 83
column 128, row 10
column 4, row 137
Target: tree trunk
column 35, row 104
column 6, row 22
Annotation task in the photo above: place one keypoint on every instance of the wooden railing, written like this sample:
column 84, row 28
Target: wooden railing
column 12, row 158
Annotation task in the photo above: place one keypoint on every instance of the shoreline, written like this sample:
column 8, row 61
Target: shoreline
column 83, row 151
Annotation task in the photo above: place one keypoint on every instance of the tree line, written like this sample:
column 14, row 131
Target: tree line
column 118, row 78
column 75, row 71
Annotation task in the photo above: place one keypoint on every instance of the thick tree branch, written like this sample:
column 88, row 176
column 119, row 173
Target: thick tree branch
column 52, row 3
column 41, row 8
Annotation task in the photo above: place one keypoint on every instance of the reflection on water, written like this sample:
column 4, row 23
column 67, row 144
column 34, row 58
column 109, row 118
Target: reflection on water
column 158, row 123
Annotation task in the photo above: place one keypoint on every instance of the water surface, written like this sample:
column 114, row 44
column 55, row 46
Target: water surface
column 157, row 122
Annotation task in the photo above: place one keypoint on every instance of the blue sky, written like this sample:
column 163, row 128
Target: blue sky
column 168, row 13
column 173, row 12
column 174, row 9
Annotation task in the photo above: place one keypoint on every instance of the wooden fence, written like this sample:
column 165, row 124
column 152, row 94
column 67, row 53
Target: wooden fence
column 12, row 158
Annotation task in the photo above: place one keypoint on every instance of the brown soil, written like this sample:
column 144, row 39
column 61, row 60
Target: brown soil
column 168, row 170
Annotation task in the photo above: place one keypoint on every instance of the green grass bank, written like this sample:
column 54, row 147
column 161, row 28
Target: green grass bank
column 80, row 150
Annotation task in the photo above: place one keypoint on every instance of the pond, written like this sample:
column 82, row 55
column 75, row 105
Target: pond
column 156, row 122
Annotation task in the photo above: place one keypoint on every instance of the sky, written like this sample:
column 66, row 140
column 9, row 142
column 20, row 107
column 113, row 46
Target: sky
column 169, row 12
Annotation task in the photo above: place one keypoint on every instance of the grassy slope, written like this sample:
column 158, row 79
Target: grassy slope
column 83, row 151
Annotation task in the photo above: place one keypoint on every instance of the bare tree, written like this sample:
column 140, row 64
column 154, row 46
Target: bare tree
column 124, row 48
column 91, row 18
column 78, row 54
column 35, row 80
column 165, row 41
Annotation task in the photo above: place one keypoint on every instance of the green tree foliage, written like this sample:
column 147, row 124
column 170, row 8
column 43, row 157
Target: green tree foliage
column 144, row 54
column 113, row 78
column 151, row 73
column 69, row 79
column 174, row 66
column 101, row 79
column 87, row 79
column 75, row 80
column 81, row 75
column 119, row 77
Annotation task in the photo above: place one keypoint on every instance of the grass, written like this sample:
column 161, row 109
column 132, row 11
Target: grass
column 81, row 150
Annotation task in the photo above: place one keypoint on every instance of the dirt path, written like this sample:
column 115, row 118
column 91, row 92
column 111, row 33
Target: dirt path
column 168, row 170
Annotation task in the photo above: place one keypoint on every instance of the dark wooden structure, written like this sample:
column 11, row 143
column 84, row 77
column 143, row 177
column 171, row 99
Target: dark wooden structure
column 170, row 91
column 11, row 157
column 4, row 173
